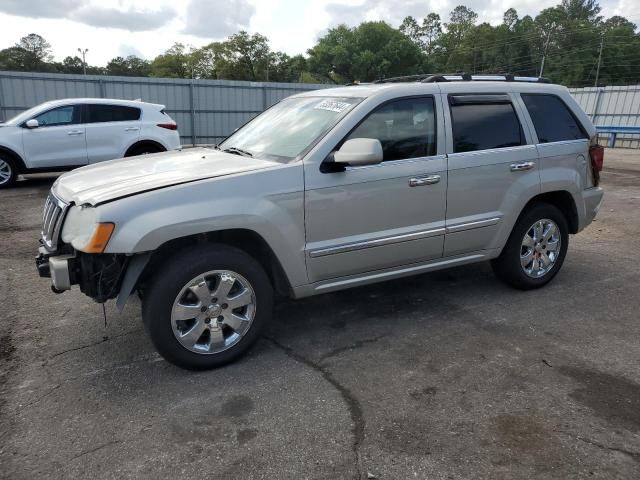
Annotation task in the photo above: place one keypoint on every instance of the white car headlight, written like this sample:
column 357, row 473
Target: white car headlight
column 82, row 230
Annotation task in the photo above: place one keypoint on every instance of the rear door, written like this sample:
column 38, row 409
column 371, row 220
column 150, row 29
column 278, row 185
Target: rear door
column 58, row 141
column 111, row 129
column 492, row 167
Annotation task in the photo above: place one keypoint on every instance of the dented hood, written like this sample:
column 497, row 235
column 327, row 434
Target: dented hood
column 106, row 181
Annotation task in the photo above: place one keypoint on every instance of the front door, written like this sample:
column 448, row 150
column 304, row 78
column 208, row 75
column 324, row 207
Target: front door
column 58, row 141
column 381, row 216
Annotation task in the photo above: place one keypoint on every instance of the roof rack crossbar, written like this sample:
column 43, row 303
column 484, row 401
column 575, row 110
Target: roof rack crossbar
column 403, row 78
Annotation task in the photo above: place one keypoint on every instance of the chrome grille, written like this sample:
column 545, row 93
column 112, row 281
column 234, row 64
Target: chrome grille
column 52, row 219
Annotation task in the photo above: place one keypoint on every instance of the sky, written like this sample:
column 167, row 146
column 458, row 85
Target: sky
column 146, row 28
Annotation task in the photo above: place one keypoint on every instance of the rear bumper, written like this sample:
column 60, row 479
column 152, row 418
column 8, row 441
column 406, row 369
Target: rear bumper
column 592, row 198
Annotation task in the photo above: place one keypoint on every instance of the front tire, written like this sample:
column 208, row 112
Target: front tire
column 8, row 172
column 206, row 306
column 536, row 248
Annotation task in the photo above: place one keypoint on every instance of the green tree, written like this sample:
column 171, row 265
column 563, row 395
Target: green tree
column 412, row 29
column 131, row 66
column 12, row 58
column 176, row 62
column 431, row 31
column 31, row 53
column 370, row 51
column 37, row 52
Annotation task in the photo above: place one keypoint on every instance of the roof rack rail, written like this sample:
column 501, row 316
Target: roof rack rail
column 484, row 77
column 461, row 76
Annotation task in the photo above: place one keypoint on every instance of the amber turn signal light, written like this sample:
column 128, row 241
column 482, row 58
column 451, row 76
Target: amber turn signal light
column 100, row 238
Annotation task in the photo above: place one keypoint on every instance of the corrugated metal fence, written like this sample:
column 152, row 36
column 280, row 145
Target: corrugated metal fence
column 612, row 106
column 206, row 110
column 209, row 110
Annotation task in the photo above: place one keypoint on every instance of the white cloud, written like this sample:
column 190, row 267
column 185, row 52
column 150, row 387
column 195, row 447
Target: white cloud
column 39, row 8
column 217, row 20
column 131, row 19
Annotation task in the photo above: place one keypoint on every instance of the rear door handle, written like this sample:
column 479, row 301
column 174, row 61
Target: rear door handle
column 421, row 181
column 75, row 132
column 132, row 129
column 516, row 167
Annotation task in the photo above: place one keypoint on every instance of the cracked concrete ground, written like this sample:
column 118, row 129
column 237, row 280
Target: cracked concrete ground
column 444, row 375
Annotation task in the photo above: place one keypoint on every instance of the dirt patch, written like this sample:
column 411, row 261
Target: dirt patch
column 612, row 398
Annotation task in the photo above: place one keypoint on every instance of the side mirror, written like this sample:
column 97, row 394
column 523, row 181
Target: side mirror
column 359, row 151
column 33, row 123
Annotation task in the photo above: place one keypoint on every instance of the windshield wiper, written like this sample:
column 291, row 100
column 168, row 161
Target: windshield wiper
column 238, row 151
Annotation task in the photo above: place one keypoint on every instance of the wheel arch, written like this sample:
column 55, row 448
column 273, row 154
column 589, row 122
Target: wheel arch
column 249, row 241
column 563, row 201
column 15, row 157
column 143, row 143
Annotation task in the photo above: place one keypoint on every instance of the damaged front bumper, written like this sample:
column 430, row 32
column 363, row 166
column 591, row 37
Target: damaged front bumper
column 60, row 268
column 100, row 276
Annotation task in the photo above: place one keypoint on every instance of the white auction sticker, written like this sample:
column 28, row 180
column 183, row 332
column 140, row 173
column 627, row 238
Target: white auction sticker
column 332, row 106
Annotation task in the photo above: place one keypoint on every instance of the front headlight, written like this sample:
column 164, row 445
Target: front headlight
column 82, row 230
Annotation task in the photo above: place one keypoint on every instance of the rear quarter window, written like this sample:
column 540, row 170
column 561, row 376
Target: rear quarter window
column 552, row 119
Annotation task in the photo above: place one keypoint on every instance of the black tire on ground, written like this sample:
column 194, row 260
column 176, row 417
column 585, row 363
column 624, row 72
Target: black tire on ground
column 507, row 266
column 144, row 149
column 8, row 171
column 174, row 274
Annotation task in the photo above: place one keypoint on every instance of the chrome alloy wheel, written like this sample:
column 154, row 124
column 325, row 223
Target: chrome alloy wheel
column 540, row 248
column 5, row 171
column 213, row 311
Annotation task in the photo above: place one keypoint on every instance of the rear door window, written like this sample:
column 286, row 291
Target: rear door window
column 99, row 113
column 552, row 119
column 483, row 123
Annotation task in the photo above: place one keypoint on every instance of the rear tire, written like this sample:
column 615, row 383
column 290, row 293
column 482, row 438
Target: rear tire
column 536, row 248
column 227, row 293
column 8, row 171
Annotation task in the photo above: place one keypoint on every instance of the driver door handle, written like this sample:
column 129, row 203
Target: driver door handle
column 517, row 167
column 75, row 132
column 426, row 180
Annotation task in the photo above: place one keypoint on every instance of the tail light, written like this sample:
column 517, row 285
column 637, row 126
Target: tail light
column 596, row 154
column 168, row 126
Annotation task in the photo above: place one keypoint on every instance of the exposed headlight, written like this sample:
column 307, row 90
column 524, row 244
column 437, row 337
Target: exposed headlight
column 82, row 230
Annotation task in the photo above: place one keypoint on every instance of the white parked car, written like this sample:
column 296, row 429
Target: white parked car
column 69, row 133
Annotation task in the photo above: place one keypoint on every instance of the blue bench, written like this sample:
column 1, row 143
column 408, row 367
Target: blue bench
column 614, row 131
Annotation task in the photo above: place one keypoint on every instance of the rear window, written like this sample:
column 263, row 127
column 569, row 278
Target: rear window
column 111, row 113
column 483, row 126
column 552, row 119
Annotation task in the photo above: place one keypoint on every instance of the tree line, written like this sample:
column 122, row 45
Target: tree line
column 569, row 43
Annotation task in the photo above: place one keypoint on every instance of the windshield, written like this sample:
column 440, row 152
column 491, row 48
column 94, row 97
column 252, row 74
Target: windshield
column 289, row 128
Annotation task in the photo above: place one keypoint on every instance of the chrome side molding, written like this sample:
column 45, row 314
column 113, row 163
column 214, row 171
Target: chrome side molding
column 469, row 225
column 378, row 242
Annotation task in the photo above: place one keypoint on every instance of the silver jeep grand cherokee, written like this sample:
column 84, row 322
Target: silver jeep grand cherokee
column 328, row 190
